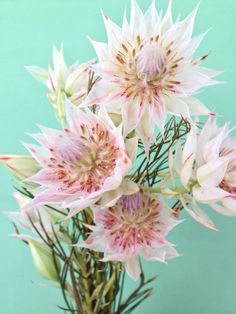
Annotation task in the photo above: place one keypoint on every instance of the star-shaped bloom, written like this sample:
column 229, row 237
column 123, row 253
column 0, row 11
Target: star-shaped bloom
column 135, row 226
column 207, row 168
column 80, row 163
column 147, row 69
column 63, row 82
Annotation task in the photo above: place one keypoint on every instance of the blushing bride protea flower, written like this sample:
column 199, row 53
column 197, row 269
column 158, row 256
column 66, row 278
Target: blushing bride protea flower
column 63, row 82
column 135, row 226
column 207, row 169
column 147, row 69
column 80, row 163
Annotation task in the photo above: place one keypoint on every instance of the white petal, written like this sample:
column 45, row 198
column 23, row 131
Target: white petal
column 101, row 49
column 60, row 67
column 133, row 268
column 38, row 73
column 178, row 106
column 212, row 173
column 131, row 145
column 178, row 157
column 126, row 29
column 196, row 107
column 199, row 215
column 189, row 47
column 78, row 205
column 182, row 30
column 230, row 203
column 77, row 80
column 114, row 35
column 208, row 131
column 101, row 93
column 78, row 97
column 212, row 148
column 53, row 83
column 131, row 113
column 136, row 20
column 167, row 20
column 209, row 195
column 105, row 118
column 152, row 20
column 209, row 72
column 129, row 187
column 171, row 253
column 93, row 242
column 224, row 210
column 159, row 112
column 110, row 198
column 145, row 130
column 188, row 156
column 19, row 219
column 192, row 79
column 157, row 254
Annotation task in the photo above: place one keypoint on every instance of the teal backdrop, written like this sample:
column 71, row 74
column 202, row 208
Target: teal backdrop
column 203, row 280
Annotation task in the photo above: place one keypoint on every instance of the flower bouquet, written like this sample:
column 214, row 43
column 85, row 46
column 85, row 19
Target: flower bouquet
column 102, row 192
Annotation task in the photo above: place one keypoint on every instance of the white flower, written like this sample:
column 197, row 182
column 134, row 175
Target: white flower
column 81, row 163
column 147, row 69
column 63, row 82
column 207, row 168
column 137, row 225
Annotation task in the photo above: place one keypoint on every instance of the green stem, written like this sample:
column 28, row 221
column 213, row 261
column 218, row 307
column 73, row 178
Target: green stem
column 81, row 264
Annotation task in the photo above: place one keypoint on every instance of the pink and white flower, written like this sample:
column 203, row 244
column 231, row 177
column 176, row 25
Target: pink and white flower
column 80, row 163
column 135, row 226
column 207, row 169
column 147, row 69
column 63, row 82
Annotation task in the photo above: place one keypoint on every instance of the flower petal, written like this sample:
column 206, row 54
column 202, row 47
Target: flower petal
column 133, row 268
column 159, row 112
column 199, row 215
column 167, row 21
column 208, row 195
column 145, row 130
column 223, row 210
column 131, row 113
column 213, row 172
column 188, row 156
column 38, row 73
column 196, row 107
column 131, row 145
column 100, row 48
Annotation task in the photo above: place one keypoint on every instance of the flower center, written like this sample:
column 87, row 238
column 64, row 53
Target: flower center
column 150, row 61
column 89, row 160
column 133, row 221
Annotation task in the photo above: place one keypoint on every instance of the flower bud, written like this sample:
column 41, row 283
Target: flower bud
column 44, row 261
column 20, row 166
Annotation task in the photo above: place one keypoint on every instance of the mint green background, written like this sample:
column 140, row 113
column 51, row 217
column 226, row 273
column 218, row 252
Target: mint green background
column 203, row 280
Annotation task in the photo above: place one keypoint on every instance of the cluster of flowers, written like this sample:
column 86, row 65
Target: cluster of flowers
column 109, row 111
